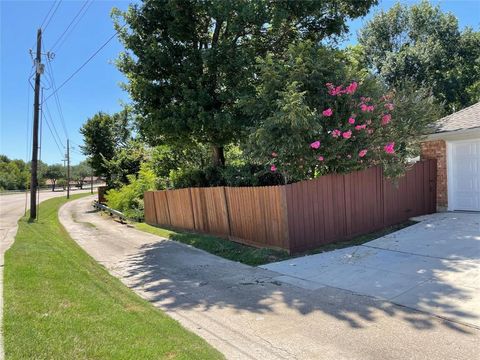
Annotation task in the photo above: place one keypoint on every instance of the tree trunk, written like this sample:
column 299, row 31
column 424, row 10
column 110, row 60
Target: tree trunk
column 53, row 185
column 218, row 156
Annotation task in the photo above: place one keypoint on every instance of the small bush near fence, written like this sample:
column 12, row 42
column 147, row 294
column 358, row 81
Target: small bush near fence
column 300, row 216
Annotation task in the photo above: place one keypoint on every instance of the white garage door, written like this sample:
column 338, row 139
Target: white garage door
column 465, row 176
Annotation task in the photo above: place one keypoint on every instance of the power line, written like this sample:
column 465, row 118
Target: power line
column 57, row 99
column 85, row 63
column 71, row 23
column 49, row 11
column 51, row 17
column 53, row 136
column 53, row 124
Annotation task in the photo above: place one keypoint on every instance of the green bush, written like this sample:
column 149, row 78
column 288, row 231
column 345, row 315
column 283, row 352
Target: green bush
column 230, row 175
column 129, row 198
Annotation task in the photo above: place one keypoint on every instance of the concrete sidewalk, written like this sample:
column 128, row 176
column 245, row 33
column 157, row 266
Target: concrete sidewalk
column 247, row 313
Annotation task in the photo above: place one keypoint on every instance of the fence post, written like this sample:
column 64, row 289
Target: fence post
column 228, row 211
column 193, row 210
column 285, row 215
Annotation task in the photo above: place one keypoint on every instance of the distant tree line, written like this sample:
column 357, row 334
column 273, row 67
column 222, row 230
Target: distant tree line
column 15, row 174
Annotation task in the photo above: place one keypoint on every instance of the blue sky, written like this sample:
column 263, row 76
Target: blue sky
column 95, row 88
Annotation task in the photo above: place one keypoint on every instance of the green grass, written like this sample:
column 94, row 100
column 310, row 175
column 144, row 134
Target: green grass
column 61, row 304
column 221, row 247
column 255, row 256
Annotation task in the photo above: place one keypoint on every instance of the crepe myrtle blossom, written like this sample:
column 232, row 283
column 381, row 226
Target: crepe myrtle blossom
column 327, row 112
column 367, row 108
column 315, row 144
column 362, row 153
column 386, row 119
column 351, row 121
column 273, row 168
column 274, row 154
column 389, row 148
column 339, row 90
column 360, row 127
column 321, row 158
column 336, row 133
column 351, row 88
column 389, row 106
column 347, row 134
column 334, row 91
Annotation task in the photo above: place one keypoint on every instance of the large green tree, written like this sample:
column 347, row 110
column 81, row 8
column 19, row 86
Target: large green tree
column 54, row 173
column 14, row 174
column 80, row 172
column 104, row 135
column 422, row 44
column 188, row 63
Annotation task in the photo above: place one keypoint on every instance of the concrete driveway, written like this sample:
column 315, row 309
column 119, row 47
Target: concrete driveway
column 432, row 266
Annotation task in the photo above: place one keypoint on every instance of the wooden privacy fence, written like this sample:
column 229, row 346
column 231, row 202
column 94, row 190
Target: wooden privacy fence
column 299, row 216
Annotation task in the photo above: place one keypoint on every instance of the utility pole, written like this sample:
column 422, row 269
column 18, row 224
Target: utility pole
column 36, row 109
column 68, row 169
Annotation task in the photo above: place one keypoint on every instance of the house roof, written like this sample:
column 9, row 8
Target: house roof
column 465, row 119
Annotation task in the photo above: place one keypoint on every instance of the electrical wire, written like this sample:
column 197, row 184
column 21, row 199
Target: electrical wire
column 64, row 35
column 51, row 17
column 85, row 63
column 40, row 156
column 49, row 11
column 56, row 97
column 27, row 142
column 53, row 125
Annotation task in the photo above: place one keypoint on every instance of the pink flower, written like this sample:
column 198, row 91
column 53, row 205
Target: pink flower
column 351, row 121
column 386, row 119
column 389, row 106
column 370, row 131
column 360, row 127
column 362, row 153
column 335, row 91
column 389, row 148
column 351, row 88
column 336, row 133
column 320, row 158
column 327, row 112
column 274, row 154
column 273, row 168
column 347, row 134
column 315, row 144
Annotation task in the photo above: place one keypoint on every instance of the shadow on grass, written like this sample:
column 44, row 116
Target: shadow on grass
column 256, row 256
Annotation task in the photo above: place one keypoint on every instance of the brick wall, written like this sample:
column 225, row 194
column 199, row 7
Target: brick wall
column 437, row 149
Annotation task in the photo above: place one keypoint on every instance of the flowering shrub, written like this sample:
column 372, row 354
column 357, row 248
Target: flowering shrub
column 350, row 132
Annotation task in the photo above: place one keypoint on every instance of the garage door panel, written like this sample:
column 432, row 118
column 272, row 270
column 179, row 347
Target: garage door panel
column 465, row 172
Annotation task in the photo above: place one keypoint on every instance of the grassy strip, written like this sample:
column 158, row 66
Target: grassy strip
column 61, row 304
column 221, row 247
column 254, row 256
